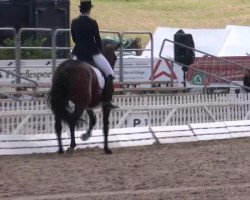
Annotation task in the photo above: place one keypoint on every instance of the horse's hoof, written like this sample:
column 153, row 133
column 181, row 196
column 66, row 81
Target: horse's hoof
column 85, row 137
column 60, row 152
column 70, row 151
column 108, row 151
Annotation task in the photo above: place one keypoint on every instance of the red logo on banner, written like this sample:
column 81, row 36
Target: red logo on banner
column 162, row 73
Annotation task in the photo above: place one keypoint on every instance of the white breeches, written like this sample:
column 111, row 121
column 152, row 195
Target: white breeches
column 103, row 64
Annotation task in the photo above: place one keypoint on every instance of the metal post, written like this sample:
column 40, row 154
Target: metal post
column 184, row 77
column 55, row 48
column 151, row 48
column 19, row 48
column 18, row 57
column 120, row 52
column 121, row 69
column 172, row 74
column 198, row 70
column 53, row 53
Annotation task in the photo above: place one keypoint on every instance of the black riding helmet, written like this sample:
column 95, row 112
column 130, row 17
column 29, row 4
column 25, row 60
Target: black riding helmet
column 85, row 6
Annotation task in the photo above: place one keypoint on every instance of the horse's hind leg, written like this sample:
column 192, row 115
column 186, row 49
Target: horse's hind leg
column 106, row 113
column 92, row 122
column 58, row 128
column 72, row 123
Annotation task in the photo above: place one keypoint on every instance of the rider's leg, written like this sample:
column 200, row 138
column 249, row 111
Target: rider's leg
column 105, row 67
column 103, row 64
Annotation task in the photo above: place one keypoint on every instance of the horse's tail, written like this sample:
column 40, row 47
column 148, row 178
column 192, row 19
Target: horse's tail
column 58, row 96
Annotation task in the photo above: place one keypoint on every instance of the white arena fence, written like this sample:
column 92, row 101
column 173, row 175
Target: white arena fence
column 126, row 137
column 32, row 117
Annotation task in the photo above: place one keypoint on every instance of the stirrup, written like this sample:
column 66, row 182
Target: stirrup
column 109, row 104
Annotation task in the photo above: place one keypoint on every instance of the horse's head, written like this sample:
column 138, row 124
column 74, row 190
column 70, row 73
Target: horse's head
column 108, row 41
column 109, row 53
column 136, row 44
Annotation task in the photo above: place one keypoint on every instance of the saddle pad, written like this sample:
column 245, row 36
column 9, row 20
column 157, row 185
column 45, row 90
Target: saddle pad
column 100, row 77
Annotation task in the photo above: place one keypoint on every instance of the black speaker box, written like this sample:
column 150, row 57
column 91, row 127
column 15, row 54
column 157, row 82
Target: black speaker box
column 182, row 54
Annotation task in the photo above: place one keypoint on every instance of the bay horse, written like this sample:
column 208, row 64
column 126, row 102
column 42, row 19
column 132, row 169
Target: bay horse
column 75, row 81
column 136, row 44
column 131, row 43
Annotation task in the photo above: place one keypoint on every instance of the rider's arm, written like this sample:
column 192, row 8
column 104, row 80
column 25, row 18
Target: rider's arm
column 73, row 35
column 97, row 36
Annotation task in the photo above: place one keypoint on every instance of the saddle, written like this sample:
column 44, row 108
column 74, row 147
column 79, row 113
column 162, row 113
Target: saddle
column 100, row 76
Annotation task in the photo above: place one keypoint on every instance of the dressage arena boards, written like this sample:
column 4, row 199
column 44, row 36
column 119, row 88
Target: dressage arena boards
column 127, row 137
column 136, row 138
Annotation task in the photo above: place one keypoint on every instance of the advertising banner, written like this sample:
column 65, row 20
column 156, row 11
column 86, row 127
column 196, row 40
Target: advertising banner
column 134, row 69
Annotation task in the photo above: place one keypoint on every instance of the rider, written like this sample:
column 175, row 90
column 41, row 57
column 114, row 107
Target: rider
column 88, row 47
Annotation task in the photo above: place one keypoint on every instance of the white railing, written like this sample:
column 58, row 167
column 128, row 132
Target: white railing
column 34, row 117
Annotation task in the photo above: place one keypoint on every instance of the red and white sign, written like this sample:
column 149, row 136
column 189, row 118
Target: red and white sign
column 139, row 69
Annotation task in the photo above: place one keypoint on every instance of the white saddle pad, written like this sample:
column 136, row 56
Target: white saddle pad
column 100, row 77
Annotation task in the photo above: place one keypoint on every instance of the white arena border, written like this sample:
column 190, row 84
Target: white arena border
column 127, row 137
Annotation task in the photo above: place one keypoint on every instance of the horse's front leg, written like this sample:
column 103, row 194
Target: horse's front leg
column 92, row 122
column 72, row 123
column 58, row 129
column 106, row 113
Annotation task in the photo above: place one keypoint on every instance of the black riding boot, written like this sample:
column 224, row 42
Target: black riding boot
column 108, row 93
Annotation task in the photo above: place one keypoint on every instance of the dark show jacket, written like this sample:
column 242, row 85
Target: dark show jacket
column 86, row 36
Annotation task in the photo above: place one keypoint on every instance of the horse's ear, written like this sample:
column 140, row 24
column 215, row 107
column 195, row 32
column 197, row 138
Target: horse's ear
column 109, row 53
column 118, row 46
column 138, row 39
